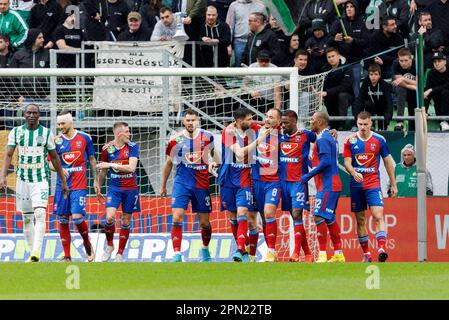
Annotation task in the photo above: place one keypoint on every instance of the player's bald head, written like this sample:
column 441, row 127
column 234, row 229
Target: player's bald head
column 322, row 116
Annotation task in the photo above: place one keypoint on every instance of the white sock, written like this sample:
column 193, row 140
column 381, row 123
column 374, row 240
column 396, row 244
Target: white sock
column 28, row 229
column 39, row 230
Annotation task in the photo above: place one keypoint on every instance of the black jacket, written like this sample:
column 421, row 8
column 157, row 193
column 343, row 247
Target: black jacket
column 437, row 81
column 379, row 42
column 440, row 16
column 5, row 60
column 357, row 30
column 96, row 30
column 315, row 59
column 398, row 9
column 338, row 81
column 376, row 100
column 317, row 9
column 265, row 40
column 142, row 34
column 433, row 40
column 118, row 17
column 222, row 32
column 46, row 17
column 149, row 15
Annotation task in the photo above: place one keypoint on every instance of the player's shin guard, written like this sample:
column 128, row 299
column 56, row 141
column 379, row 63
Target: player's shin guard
column 109, row 230
column 299, row 233
column 123, row 238
column 206, row 234
column 271, row 232
column 83, row 229
column 39, row 230
column 176, row 236
column 381, row 237
column 28, row 229
column 234, row 228
column 253, row 240
column 334, row 232
column 64, row 233
column 242, row 232
column 321, row 230
column 364, row 244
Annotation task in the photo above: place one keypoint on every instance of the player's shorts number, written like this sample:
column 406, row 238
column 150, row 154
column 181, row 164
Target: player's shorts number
column 249, row 196
column 300, row 196
column 136, row 198
column 318, row 203
column 44, row 194
column 274, row 192
column 207, row 199
column 82, row 201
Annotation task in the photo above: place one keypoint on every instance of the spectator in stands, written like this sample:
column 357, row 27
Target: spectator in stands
column 32, row 55
column 261, row 38
column 5, row 52
column 237, row 19
column 13, row 25
column 337, row 88
column 46, row 15
column 382, row 40
column 437, row 88
column 404, row 83
column 375, row 97
column 271, row 97
column 222, row 7
column 418, row 6
column 96, row 17
column 439, row 10
column 22, row 7
column 117, row 21
column 68, row 37
column 196, row 13
column 353, row 45
column 216, row 32
column 406, row 175
column 281, row 36
column 398, row 9
column 434, row 39
column 317, row 10
column 150, row 13
column 316, row 45
column 135, row 31
column 286, row 56
column 165, row 28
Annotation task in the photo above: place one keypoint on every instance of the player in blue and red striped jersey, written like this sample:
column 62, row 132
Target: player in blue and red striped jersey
column 362, row 153
column 265, row 174
column 238, row 140
column 119, row 160
column 189, row 150
column 75, row 149
column 328, row 185
column 295, row 148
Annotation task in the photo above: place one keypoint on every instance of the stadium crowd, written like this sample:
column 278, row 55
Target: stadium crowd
column 328, row 36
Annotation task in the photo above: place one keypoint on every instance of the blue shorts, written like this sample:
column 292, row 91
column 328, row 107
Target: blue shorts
column 360, row 198
column 326, row 204
column 233, row 198
column 129, row 199
column 74, row 203
column 266, row 193
column 294, row 196
column 200, row 199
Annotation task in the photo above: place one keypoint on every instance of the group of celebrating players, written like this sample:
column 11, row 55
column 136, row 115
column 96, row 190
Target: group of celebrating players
column 261, row 165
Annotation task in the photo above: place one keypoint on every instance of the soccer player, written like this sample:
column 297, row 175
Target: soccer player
column 295, row 148
column 236, row 184
column 328, row 186
column 34, row 141
column 75, row 149
column 265, row 174
column 119, row 159
column 362, row 152
column 190, row 151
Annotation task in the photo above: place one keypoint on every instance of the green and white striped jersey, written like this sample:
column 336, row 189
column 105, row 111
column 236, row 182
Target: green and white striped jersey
column 33, row 146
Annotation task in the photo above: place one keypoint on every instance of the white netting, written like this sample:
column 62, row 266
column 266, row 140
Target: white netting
column 215, row 97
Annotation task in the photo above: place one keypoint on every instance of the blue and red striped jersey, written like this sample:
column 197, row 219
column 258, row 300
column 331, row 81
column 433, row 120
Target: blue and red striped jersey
column 329, row 178
column 295, row 151
column 74, row 154
column 365, row 155
column 234, row 172
column 266, row 158
column 121, row 180
column 191, row 156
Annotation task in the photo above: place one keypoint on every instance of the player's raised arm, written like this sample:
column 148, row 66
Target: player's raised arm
column 168, row 165
column 389, row 166
column 59, row 170
column 6, row 163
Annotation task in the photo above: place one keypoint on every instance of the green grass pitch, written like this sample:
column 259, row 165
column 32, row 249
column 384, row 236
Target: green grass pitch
column 223, row 281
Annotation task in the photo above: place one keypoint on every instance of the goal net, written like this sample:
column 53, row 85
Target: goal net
column 152, row 102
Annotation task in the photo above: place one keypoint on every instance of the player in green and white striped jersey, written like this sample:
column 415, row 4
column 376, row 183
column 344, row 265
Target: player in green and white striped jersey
column 33, row 142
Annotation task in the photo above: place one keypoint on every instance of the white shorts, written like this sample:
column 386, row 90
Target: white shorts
column 30, row 195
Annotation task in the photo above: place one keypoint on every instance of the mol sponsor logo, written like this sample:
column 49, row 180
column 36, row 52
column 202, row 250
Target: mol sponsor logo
column 120, row 162
column 193, row 157
column 264, row 147
column 364, row 158
column 70, row 157
column 288, row 147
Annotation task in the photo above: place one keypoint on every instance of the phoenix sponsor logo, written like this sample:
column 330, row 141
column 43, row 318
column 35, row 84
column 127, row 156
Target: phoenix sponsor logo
column 70, row 157
column 364, row 158
column 288, row 147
